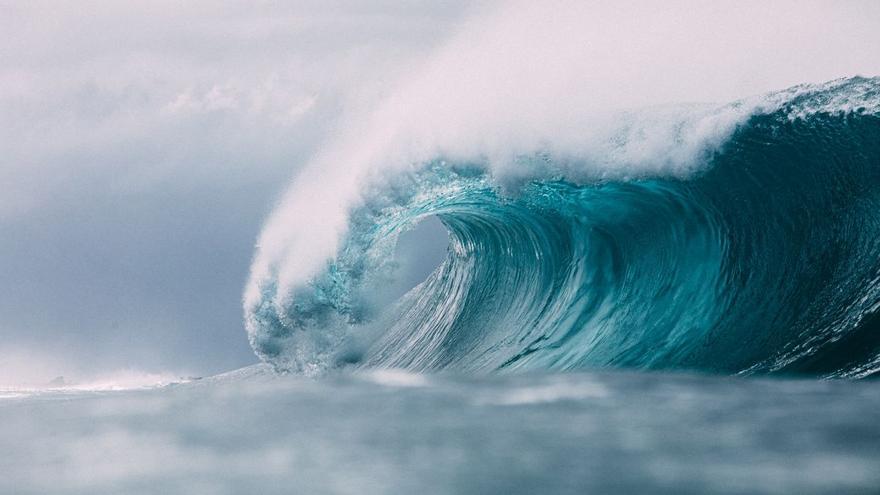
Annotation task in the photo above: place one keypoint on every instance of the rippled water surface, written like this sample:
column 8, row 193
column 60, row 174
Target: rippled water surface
column 395, row 432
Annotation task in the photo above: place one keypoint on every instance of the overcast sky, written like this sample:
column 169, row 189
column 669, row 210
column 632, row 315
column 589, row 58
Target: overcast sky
column 143, row 145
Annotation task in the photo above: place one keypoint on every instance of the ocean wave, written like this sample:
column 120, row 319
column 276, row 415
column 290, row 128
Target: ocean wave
column 753, row 250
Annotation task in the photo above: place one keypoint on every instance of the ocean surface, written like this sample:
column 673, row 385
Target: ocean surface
column 398, row 432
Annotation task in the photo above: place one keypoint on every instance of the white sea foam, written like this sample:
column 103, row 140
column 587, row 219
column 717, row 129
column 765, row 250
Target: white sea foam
column 550, row 393
column 396, row 378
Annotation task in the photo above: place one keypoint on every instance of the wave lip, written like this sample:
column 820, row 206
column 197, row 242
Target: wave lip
column 758, row 252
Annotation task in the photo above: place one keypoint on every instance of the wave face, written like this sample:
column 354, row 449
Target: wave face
column 765, row 259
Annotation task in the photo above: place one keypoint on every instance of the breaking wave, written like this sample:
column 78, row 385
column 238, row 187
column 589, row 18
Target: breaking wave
column 753, row 248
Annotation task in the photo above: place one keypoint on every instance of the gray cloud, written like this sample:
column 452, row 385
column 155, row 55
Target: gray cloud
column 141, row 146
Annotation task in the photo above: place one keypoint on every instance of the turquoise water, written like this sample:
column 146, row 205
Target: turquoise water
column 763, row 259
